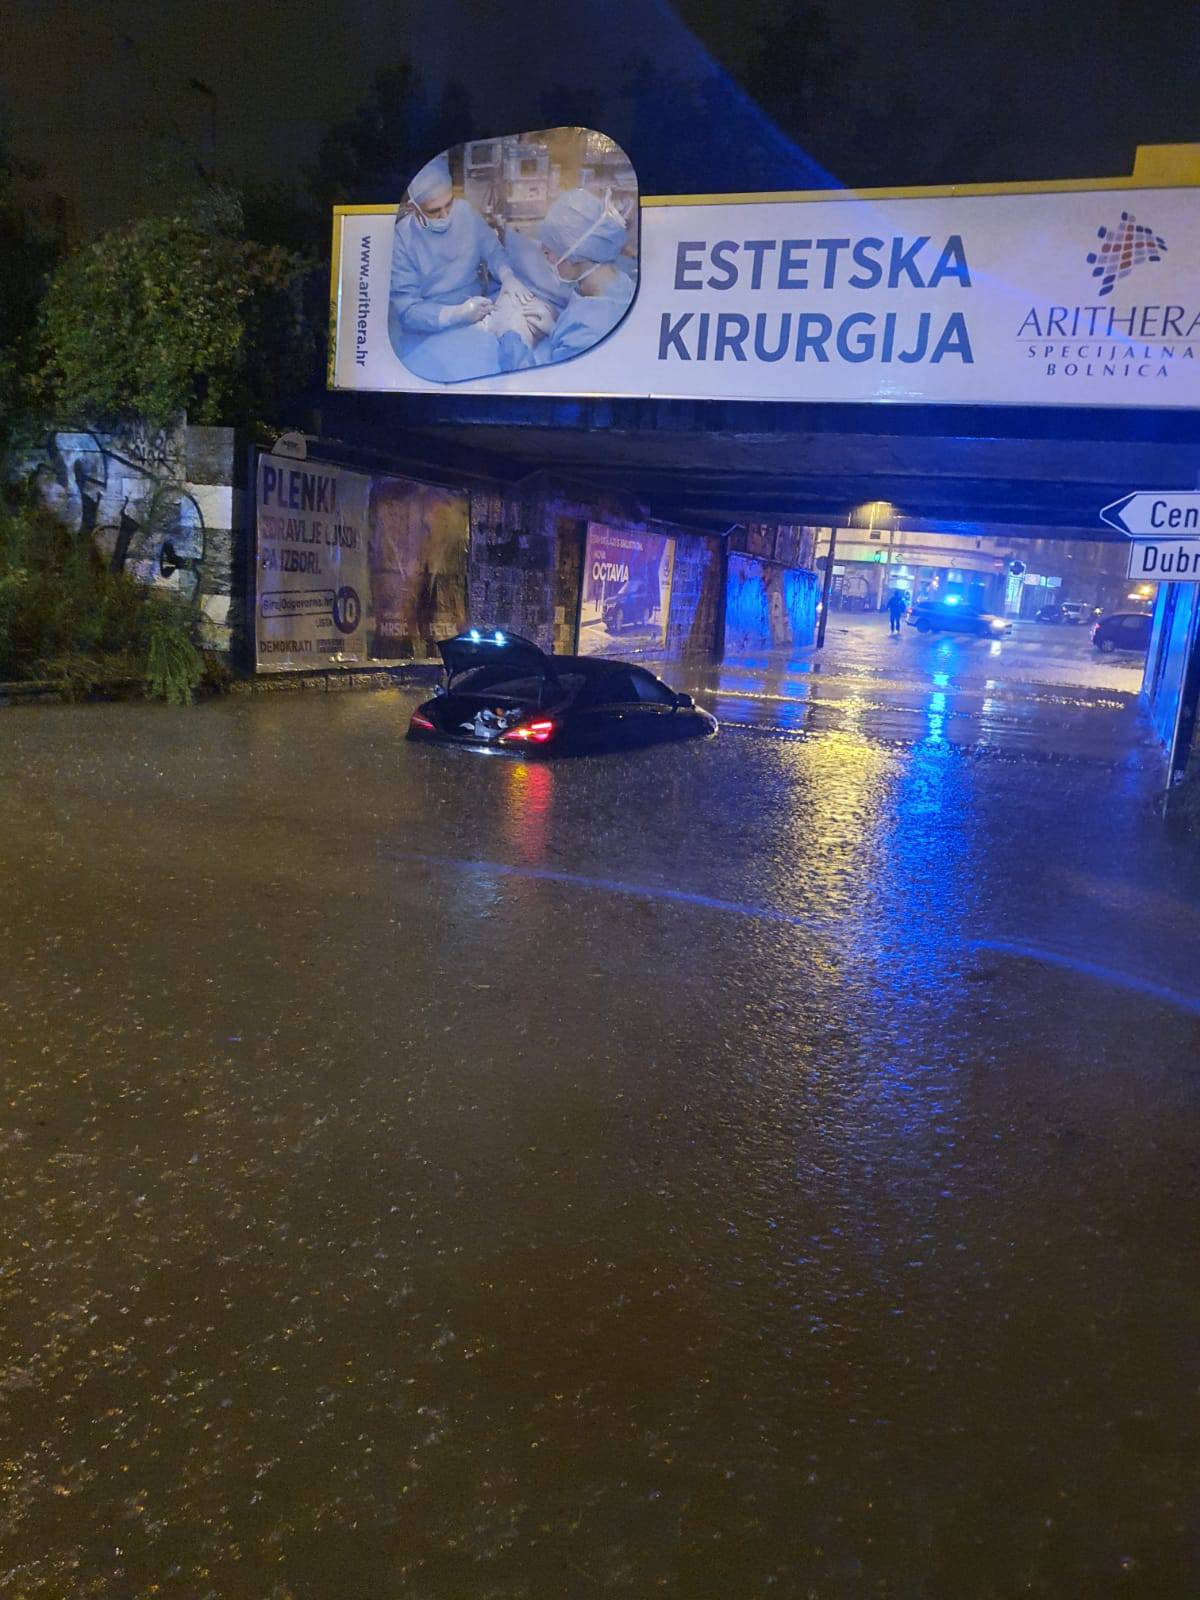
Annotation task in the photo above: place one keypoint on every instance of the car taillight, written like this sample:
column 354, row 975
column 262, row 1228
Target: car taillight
column 419, row 720
column 536, row 732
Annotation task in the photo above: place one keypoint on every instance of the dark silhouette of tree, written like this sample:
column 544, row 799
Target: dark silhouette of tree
column 691, row 135
column 372, row 153
column 32, row 238
column 569, row 106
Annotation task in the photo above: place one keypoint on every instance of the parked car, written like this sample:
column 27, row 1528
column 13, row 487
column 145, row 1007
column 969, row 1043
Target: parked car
column 1071, row 611
column 501, row 693
column 952, row 615
column 1123, row 630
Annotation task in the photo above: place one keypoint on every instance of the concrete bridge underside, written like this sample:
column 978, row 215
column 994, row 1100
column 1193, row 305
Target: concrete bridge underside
column 1028, row 473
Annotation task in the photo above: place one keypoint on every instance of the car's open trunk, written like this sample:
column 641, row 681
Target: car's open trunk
column 494, row 680
column 481, row 717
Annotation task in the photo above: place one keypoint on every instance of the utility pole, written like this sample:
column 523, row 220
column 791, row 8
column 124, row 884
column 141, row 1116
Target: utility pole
column 824, row 617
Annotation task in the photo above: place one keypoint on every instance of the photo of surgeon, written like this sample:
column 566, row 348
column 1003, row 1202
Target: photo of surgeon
column 581, row 237
column 513, row 253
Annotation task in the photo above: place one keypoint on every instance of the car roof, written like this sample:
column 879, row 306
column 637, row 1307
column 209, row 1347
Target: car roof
column 595, row 666
column 585, row 666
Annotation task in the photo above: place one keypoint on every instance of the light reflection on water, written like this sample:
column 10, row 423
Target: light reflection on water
column 682, row 1174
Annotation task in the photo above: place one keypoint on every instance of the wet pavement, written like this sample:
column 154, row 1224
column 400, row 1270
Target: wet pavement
column 1044, row 691
column 765, row 1167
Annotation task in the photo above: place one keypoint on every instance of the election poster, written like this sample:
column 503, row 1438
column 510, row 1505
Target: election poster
column 355, row 567
column 626, row 592
column 312, row 568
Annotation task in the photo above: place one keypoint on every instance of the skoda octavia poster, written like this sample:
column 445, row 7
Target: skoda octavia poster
column 626, row 592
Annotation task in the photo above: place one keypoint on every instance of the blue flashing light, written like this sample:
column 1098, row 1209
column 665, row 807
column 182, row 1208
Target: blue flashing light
column 499, row 638
column 951, row 600
column 474, row 636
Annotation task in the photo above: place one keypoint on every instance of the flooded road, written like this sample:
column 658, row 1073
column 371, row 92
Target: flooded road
column 768, row 1167
column 1044, row 691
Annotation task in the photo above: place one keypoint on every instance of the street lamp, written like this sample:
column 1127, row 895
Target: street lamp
column 872, row 511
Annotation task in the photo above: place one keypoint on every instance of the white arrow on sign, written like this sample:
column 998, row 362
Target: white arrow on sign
column 1156, row 514
column 1165, row 560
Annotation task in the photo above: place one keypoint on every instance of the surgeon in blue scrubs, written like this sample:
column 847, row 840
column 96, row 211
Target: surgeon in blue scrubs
column 582, row 236
column 444, row 257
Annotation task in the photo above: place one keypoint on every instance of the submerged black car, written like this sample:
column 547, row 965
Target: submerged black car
column 504, row 694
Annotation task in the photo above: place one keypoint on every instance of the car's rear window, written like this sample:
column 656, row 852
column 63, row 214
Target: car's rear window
column 492, row 683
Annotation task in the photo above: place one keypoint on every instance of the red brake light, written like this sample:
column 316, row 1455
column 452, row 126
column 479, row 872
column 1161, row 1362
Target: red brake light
column 536, row 732
column 422, row 722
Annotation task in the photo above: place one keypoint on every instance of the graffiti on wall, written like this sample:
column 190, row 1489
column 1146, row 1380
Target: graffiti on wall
column 126, row 491
column 768, row 606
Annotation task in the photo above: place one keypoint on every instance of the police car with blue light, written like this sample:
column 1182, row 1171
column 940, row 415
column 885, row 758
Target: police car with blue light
column 952, row 615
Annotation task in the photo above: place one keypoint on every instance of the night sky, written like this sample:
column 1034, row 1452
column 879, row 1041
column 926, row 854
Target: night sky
column 866, row 91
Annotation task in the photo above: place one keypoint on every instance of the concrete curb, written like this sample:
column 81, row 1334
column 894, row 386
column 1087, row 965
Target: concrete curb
column 339, row 680
column 415, row 674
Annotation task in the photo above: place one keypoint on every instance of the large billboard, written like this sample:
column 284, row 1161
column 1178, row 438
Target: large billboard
column 626, row 592
column 354, row 567
column 1084, row 296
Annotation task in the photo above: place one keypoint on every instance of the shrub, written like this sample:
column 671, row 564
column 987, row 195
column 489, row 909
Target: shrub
column 177, row 315
column 65, row 617
column 174, row 666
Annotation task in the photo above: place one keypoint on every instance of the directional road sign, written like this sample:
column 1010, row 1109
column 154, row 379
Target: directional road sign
column 1156, row 514
column 1165, row 560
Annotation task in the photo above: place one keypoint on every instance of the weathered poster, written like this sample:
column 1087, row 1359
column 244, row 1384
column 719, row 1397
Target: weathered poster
column 626, row 591
column 312, row 588
column 418, row 564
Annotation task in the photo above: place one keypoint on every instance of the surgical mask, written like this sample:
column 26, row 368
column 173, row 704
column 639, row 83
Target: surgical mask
column 572, row 283
column 609, row 212
column 434, row 224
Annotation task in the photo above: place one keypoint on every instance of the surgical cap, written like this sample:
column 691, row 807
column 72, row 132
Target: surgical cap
column 432, row 180
column 580, row 224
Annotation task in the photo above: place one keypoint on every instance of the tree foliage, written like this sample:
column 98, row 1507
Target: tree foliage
column 372, row 153
column 66, row 617
column 177, row 315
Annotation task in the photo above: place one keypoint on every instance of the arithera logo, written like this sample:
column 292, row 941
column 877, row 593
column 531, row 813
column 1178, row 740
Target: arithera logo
column 1121, row 249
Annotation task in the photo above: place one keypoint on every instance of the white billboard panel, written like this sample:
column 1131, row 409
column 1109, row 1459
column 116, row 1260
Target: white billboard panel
column 1080, row 297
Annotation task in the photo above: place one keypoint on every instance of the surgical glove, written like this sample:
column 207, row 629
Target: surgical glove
column 514, row 287
column 472, row 310
column 539, row 317
column 507, row 317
